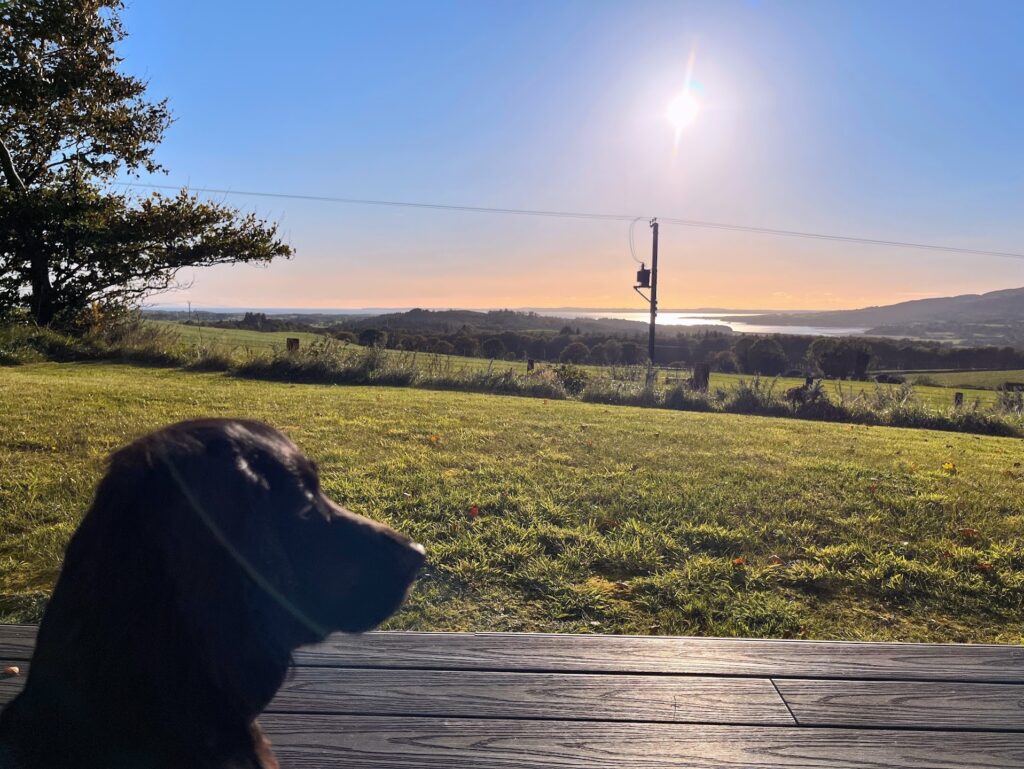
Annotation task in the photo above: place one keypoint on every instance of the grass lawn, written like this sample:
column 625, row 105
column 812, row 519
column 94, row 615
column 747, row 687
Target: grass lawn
column 242, row 339
column 591, row 518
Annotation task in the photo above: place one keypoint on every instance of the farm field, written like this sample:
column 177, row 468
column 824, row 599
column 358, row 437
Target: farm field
column 561, row 516
column 988, row 380
column 242, row 339
column 234, row 337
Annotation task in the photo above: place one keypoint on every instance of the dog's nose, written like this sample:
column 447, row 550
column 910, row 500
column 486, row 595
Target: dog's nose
column 414, row 555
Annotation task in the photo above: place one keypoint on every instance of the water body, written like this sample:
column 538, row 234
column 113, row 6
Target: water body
column 714, row 319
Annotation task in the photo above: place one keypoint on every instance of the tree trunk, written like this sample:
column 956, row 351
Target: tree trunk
column 41, row 300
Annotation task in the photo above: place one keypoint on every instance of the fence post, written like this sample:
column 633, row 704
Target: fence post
column 701, row 376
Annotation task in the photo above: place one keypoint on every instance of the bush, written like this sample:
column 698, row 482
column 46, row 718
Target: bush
column 682, row 398
column 897, row 379
column 754, row 397
column 618, row 393
column 573, row 378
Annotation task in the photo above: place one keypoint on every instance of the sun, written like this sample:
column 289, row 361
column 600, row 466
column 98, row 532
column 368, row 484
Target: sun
column 682, row 110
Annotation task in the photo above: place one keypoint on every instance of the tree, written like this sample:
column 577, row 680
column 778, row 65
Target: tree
column 630, row 353
column 493, row 348
column 725, row 362
column 840, row 358
column 371, row 337
column 766, row 356
column 466, row 345
column 70, row 122
column 556, row 344
column 577, row 352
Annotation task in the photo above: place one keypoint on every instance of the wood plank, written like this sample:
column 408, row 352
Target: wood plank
column 16, row 643
column 922, row 704
column 471, row 694
column 380, row 742
column 691, row 656
column 11, row 685
column 540, row 652
column 672, row 699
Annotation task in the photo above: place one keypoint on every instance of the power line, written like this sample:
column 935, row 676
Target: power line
column 604, row 217
column 843, row 238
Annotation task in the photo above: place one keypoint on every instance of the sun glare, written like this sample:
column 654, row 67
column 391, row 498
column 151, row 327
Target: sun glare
column 682, row 110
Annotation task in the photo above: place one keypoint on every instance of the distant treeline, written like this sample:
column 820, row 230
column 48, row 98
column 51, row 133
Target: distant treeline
column 839, row 357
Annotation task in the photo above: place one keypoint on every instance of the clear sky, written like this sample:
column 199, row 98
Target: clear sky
column 894, row 120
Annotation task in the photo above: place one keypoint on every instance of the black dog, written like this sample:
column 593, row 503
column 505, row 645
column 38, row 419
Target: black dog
column 208, row 555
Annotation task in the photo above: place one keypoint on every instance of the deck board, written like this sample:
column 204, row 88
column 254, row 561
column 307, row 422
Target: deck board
column 540, row 652
column 497, row 701
column 354, row 742
column 664, row 655
column 533, row 695
column 918, row 705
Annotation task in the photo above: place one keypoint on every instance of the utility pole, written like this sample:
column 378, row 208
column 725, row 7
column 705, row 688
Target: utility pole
column 649, row 279
column 654, row 289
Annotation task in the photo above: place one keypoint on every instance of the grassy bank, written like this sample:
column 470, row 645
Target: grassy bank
column 590, row 517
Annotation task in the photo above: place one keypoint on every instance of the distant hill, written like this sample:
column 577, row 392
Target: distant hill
column 448, row 321
column 1006, row 306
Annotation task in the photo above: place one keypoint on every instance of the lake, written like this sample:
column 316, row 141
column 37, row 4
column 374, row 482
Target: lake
column 713, row 319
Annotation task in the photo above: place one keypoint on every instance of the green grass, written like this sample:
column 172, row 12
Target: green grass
column 592, row 518
column 964, row 380
column 241, row 339
column 234, row 338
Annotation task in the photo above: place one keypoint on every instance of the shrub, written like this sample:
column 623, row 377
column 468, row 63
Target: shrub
column 754, row 397
column 618, row 393
column 682, row 398
column 573, row 378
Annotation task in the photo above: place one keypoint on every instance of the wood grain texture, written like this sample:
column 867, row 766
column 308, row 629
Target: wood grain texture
column 16, row 643
column 692, row 656
column 473, row 694
column 672, row 699
column 540, row 652
column 921, row 704
column 380, row 742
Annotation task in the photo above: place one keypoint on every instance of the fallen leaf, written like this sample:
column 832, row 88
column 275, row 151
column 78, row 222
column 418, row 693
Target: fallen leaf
column 983, row 566
column 739, row 561
column 473, row 511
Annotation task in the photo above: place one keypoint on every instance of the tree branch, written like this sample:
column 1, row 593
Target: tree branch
column 9, row 170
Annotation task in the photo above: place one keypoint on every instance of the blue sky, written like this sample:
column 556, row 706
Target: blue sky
column 894, row 120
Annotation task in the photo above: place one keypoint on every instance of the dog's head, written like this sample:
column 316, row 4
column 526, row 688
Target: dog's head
column 216, row 534
column 209, row 553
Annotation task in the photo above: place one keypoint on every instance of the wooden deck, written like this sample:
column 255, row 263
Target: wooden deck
column 524, row 701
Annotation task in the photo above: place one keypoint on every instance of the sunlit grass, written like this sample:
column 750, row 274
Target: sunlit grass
column 591, row 517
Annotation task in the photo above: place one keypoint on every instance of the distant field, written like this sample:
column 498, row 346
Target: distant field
column 987, row 380
column 234, row 337
column 240, row 339
column 591, row 518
